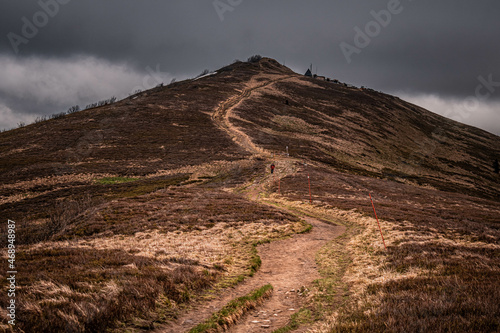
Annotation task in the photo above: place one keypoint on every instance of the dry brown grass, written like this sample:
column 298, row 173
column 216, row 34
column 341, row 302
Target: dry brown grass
column 429, row 279
column 143, row 245
column 86, row 290
column 369, row 133
column 15, row 192
column 295, row 125
column 152, row 252
column 440, row 272
column 423, row 283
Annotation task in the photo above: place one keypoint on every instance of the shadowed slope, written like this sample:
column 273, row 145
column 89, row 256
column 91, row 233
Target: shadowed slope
column 350, row 129
column 370, row 133
column 142, row 201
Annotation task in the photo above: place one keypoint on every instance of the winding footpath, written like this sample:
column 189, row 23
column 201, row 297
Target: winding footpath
column 288, row 265
column 223, row 112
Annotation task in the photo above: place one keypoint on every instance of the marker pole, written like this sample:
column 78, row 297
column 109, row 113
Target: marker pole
column 383, row 240
column 309, row 181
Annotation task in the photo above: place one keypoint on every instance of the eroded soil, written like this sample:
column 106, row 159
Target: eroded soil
column 288, row 265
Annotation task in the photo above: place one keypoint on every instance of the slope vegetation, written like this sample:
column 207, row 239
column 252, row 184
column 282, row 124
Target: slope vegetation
column 158, row 202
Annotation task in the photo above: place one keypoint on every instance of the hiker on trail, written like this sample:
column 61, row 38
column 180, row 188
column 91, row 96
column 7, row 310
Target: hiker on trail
column 272, row 168
column 496, row 167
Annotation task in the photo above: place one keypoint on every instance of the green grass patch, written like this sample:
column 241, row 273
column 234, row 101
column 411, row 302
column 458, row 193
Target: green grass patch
column 230, row 313
column 254, row 263
column 114, row 180
column 147, row 186
column 303, row 316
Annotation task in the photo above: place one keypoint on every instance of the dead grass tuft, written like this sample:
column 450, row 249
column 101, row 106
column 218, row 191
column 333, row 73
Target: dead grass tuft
column 234, row 310
column 434, row 281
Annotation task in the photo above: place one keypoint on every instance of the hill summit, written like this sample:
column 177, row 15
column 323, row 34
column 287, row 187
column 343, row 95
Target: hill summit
column 354, row 130
column 147, row 214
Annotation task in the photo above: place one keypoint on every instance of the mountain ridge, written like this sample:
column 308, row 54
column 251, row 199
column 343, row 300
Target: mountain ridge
column 363, row 131
column 159, row 202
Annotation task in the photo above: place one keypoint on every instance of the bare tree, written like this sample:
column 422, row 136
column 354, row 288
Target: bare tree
column 205, row 72
column 255, row 58
column 73, row 109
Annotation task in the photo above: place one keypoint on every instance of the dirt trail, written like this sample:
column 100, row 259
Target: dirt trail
column 221, row 115
column 288, row 265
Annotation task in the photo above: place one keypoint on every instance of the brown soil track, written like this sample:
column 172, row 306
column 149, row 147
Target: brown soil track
column 288, row 264
column 221, row 116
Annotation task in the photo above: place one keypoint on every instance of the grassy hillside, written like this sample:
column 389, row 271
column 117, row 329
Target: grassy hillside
column 155, row 201
column 369, row 133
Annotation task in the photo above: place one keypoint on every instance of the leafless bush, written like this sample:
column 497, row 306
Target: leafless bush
column 73, row 109
column 64, row 213
column 255, row 58
column 40, row 119
column 118, row 293
column 57, row 115
column 103, row 102
column 205, row 72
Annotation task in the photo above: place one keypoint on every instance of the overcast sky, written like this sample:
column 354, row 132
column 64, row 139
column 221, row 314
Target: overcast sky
column 443, row 55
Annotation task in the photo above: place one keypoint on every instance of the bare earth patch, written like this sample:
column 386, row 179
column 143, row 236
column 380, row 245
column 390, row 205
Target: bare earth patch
column 289, row 266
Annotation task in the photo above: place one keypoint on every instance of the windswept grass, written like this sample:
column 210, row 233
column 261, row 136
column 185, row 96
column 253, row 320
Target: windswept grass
column 230, row 313
column 114, row 180
column 136, row 262
column 89, row 290
column 426, row 283
column 430, row 278
column 441, row 269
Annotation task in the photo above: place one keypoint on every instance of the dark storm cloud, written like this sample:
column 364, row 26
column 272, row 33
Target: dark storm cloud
column 429, row 47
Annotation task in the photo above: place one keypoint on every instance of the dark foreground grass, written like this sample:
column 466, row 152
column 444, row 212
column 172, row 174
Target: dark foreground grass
column 458, row 294
column 92, row 286
column 441, row 269
column 230, row 313
column 89, row 290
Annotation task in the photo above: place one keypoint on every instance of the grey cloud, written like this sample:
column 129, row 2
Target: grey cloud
column 430, row 47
